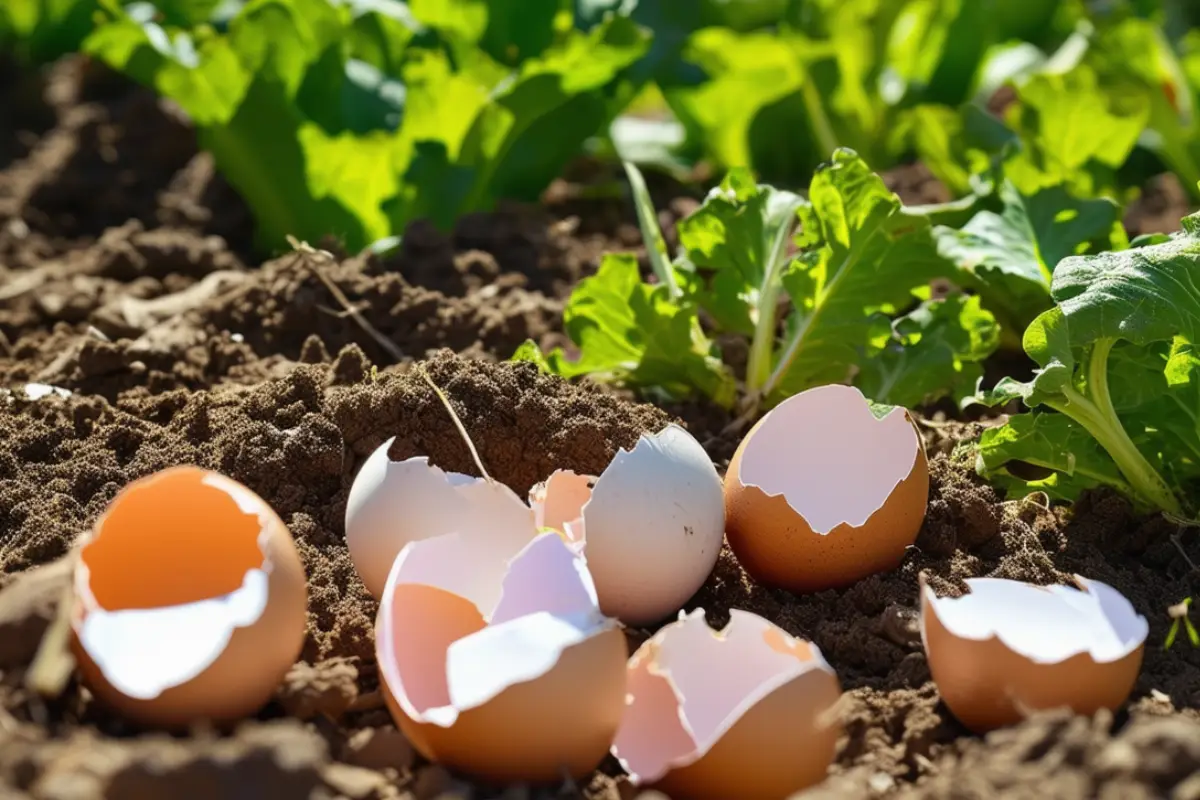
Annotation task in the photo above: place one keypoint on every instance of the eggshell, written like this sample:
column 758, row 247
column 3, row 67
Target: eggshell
column 392, row 503
column 1009, row 648
column 190, row 601
column 748, row 712
column 821, row 493
column 503, row 669
column 651, row 524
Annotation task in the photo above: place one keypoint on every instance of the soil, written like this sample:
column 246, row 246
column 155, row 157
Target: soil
column 128, row 278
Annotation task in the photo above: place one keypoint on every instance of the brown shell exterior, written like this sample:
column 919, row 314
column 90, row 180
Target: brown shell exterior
column 536, row 732
column 782, row 745
column 988, row 686
column 245, row 676
column 779, row 548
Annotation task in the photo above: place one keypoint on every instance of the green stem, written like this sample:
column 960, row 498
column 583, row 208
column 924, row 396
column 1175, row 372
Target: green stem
column 1096, row 413
column 762, row 347
column 822, row 129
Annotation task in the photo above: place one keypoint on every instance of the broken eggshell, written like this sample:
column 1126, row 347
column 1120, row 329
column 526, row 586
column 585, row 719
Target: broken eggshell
column 822, row 492
column 392, row 503
column 1009, row 648
column 190, row 601
column 501, row 668
column 747, row 712
column 651, row 525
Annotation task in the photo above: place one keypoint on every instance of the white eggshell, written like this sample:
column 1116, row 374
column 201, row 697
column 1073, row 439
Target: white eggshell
column 392, row 503
column 652, row 528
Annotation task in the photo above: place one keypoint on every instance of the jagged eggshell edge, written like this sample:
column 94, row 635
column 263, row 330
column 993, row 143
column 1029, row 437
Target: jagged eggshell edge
column 991, row 672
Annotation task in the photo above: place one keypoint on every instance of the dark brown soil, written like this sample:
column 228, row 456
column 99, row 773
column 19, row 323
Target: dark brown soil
column 127, row 276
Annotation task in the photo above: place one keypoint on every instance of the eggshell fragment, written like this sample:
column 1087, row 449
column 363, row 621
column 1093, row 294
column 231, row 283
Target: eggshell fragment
column 190, row 600
column 822, row 493
column 502, row 668
column 651, row 525
column 748, row 712
column 392, row 503
column 1009, row 648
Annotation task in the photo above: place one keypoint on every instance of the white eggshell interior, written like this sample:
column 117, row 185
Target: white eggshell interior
column 653, row 527
column 1044, row 624
column 392, row 503
column 828, row 455
column 185, row 639
column 481, row 666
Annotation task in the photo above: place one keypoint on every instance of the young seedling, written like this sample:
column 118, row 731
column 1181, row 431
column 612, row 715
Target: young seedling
column 816, row 286
column 1179, row 619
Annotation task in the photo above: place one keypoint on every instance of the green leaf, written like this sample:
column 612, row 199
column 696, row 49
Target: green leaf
column 1143, row 295
column 737, row 235
column 41, row 31
column 1118, row 361
column 529, row 351
column 934, row 351
column 1010, row 257
column 1074, row 132
column 537, row 122
column 863, row 254
column 630, row 332
column 1053, row 442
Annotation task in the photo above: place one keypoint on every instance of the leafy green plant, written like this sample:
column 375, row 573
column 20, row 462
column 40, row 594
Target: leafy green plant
column 354, row 118
column 42, row 30
column 1116, row 400
column 1009, row 257
column 849, row 268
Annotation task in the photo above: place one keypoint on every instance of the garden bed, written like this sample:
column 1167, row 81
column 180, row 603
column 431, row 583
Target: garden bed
column 127, row 277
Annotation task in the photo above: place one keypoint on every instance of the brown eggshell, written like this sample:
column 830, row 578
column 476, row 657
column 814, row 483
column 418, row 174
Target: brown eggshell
column 987, row 685
column 754, row 761
column 740, row 740
column 778, row 547
column 559, row 723
column 171, row 539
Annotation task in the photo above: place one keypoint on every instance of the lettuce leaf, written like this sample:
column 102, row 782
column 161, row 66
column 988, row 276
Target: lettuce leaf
column 354, row 117
column 863, row 259
column 1118, row 366
column 1009, row 258
column 935, row 351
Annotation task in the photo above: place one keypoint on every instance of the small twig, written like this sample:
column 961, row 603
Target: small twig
column 6, row 345
column 322, row 256
column 53, row 664
column 1181, row 524
column 462, row 431
column 1177, row 540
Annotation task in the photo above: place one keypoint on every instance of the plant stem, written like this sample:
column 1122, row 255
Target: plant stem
column 762, row 347
column 1097, row 415
column 822, row 129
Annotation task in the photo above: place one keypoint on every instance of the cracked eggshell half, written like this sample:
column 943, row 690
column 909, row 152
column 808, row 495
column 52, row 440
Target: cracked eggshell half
column 651, row 525
column 747, row 712
column 501, row 668
column 1009, row 648
column 822, row 492
column 190, row 601
column 392, row 503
